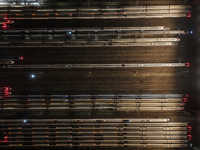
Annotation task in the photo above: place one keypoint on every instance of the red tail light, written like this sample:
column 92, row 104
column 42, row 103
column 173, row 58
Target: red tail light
column 182, row 104
column 189, row 137
column 5, row 16
column 189, row 134
column 21, row 58
column 5, row 138
column 189, row 127
column 189, row 14
column 184, row 99
column 187, row 64
column 4, row 26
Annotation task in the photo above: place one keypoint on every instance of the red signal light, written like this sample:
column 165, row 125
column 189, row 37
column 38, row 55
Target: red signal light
column 6, row 92
column 21, row 58
column 6, row 88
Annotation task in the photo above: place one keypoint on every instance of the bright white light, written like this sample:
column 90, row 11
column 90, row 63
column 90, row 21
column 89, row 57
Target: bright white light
column 69, row 32
column 25, row 121
column 191, row 32
column 32, row 76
